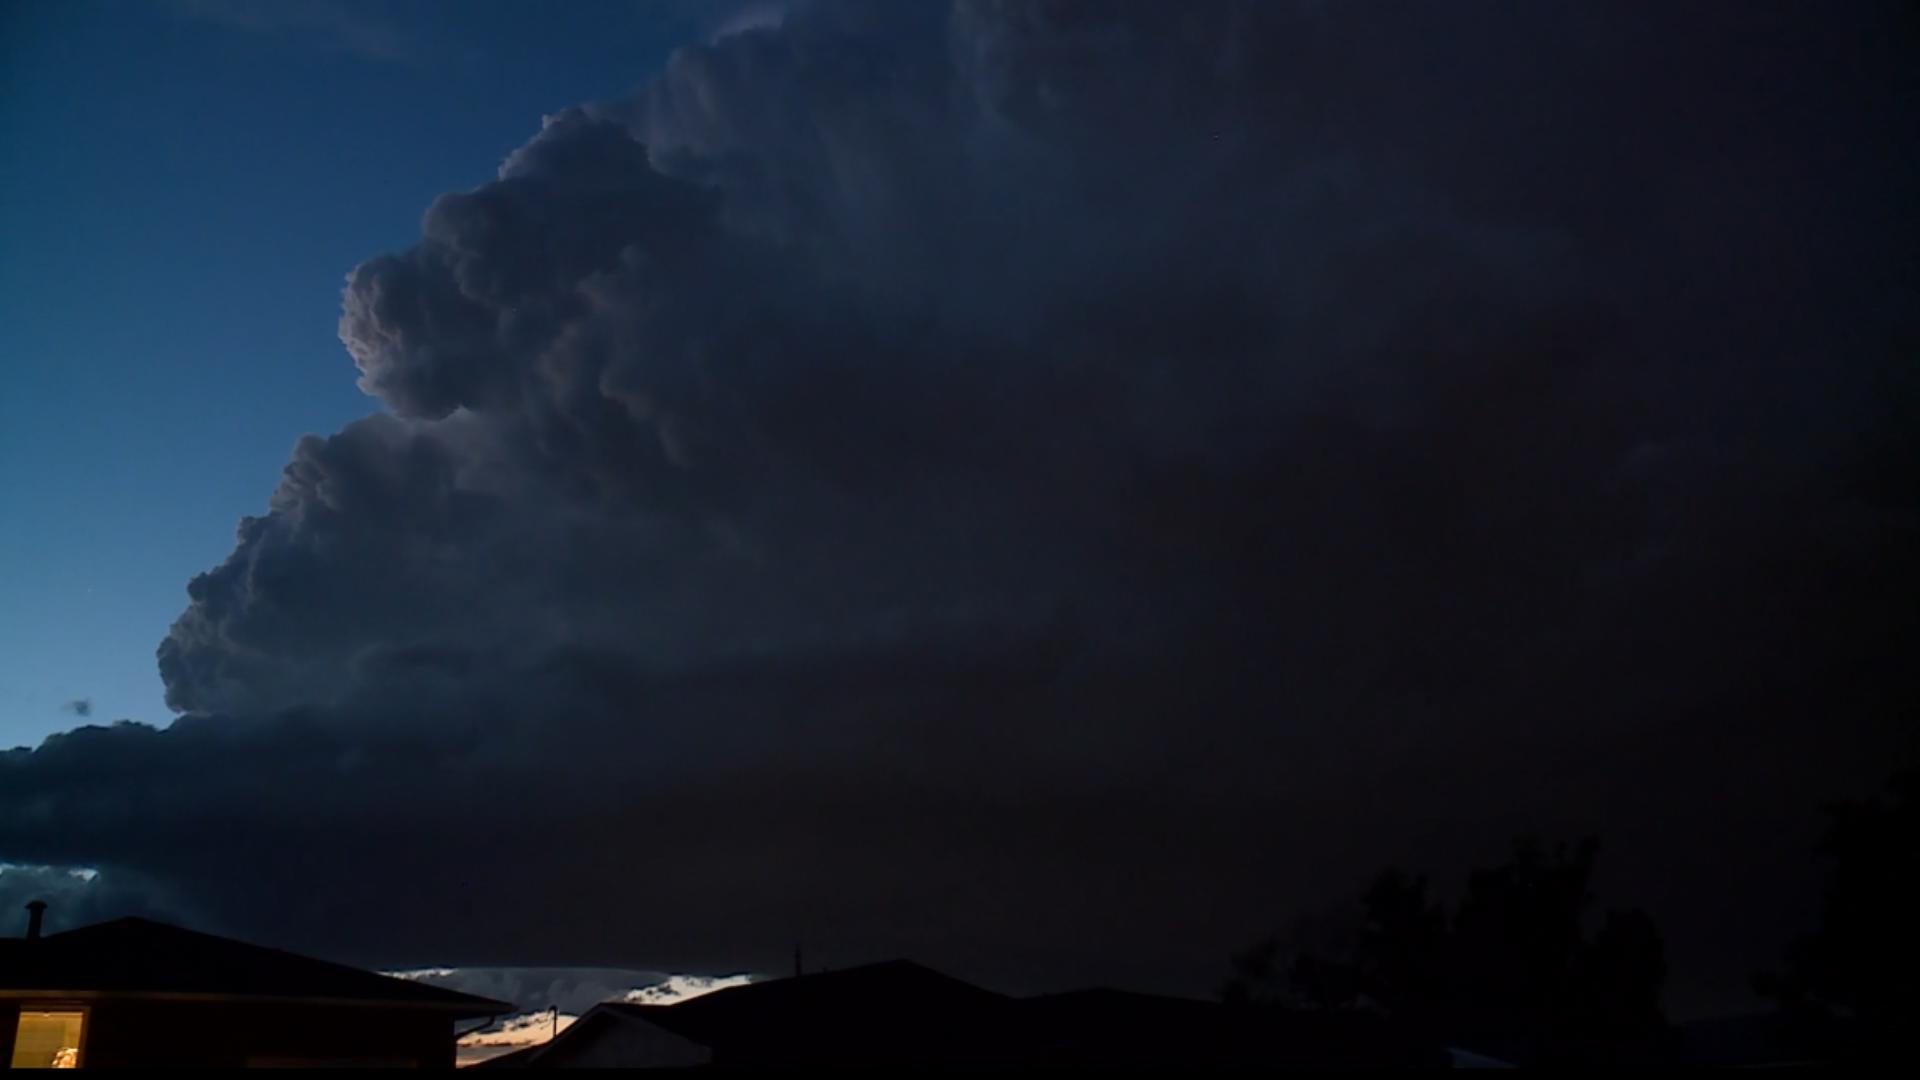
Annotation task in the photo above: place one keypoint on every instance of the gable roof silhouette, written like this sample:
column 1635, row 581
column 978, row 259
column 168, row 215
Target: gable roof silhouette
column 899, row 993
column 900, row 1013
column 887, row 1013
column 143, row 958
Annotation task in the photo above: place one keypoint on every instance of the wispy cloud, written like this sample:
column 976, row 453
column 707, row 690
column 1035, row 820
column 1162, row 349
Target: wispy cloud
column 330, row 24
column 755, row 15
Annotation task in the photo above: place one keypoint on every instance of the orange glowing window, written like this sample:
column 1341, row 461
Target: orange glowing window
column 49, row 1039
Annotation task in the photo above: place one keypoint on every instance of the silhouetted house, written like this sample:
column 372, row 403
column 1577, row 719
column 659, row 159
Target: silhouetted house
column 1461, row 1058
column 612, row 1034
column 891, row 1014
column 1781, row 1039
column 133, row 992
column 1118, row 1029
column 901, row 1015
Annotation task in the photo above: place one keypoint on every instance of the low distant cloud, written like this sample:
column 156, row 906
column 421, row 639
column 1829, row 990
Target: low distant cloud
column 79, row 707
column 331, row 24
column 682, row 987
column 569, row 995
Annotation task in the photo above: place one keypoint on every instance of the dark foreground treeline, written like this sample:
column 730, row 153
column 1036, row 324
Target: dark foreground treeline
column 1519, row 970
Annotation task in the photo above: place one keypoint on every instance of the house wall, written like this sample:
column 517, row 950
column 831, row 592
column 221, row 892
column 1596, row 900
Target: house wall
column 144, row 1033
column 9, row 1018
column 622, row 1042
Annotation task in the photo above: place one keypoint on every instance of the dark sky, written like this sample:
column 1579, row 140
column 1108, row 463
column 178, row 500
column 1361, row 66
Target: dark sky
column 1056, row 490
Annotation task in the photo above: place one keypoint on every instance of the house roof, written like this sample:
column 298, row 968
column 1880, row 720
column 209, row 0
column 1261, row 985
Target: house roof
column 879, row 1013
column 876, row 992
column 890, row 994
column 578, row 1037
column 1762, row 1038
column 900, row 1013
column 1109, row 1004
column 140, row 957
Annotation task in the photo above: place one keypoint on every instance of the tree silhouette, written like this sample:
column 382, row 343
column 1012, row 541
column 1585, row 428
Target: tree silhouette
column 1863, row 962
column 1513, row 965
column 1624, row 970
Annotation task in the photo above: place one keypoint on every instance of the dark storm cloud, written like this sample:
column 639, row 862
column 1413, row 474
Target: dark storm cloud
column 1054, row 489
column 77, row 896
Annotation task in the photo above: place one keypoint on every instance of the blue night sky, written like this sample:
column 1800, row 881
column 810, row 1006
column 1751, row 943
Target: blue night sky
column 185, row 187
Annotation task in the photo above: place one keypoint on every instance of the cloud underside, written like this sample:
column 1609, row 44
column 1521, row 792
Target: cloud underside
column 1050, row 490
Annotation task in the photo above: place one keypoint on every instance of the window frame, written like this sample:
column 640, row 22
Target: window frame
column 54, row 1006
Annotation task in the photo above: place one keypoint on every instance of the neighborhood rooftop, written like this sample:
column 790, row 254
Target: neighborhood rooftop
column 140, row 957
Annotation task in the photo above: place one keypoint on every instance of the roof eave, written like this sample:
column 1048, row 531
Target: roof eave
column 474, row 1007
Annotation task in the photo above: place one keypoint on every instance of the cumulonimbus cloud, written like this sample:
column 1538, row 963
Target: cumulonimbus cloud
column 1052, row 488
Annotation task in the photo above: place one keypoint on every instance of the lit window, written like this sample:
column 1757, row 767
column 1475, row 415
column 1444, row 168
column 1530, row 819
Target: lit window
column 48, row 1040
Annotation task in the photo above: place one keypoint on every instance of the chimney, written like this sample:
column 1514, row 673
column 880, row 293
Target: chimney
column 36, row 909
